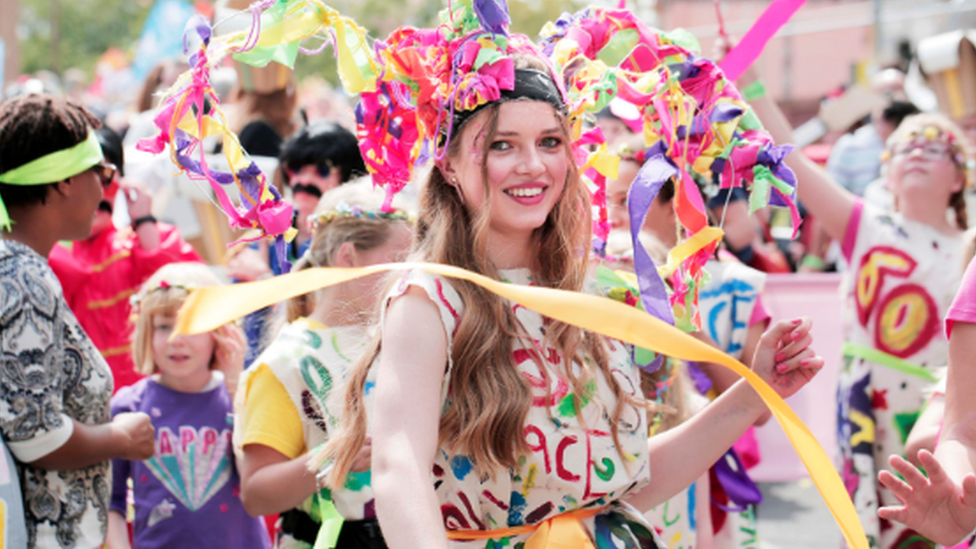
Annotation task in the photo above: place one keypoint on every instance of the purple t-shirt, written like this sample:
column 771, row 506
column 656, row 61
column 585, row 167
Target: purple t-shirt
column 188, row 493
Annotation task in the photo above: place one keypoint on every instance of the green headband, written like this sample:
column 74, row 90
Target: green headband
column 51, row 168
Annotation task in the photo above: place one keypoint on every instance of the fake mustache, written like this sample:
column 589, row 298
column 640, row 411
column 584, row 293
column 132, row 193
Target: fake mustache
column 307, row 189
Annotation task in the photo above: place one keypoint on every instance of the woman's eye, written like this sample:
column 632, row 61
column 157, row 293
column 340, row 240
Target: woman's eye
column 550, row 142
column 501, row 146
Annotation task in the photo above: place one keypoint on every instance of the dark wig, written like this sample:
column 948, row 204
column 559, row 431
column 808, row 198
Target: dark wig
column 323, row 142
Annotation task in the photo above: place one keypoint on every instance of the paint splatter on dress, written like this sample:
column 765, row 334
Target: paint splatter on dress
column 571, row 466
column 903, row 277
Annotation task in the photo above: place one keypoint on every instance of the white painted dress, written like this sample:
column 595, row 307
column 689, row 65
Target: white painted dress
column 571, row 466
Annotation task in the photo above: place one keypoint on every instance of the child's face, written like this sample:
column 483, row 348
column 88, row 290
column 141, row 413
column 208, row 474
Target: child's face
column 183, row 357
column 924, row 170
column 617, row 190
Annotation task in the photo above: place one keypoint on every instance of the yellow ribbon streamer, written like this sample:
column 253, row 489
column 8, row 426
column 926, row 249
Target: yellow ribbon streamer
column 209, row 308
column 688, row 248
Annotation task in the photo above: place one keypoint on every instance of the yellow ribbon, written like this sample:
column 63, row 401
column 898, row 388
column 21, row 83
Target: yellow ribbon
column 209, row 308
column 688, row 248
column 562, row 531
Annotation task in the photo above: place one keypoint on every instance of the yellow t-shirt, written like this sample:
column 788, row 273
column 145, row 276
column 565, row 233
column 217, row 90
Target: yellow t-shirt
column 270, row 417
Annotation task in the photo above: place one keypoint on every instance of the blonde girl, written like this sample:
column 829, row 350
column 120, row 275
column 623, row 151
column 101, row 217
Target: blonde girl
column 186, row 495
column 287, row 404
column 902, row 279
column 490, row 420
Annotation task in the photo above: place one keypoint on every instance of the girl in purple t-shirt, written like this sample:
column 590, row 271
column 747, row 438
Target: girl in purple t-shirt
column 188, row 493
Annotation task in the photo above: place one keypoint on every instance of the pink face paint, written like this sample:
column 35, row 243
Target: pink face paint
column 478, row 144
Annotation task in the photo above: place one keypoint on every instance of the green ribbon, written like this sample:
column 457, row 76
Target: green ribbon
column 330, row 520
column 762, row 181
column 884, row 359
column 51, row 168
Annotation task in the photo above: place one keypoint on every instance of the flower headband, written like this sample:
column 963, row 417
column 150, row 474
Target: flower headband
column 417, row 85
column 138, row 298
column 343, row 210
column 935, row 134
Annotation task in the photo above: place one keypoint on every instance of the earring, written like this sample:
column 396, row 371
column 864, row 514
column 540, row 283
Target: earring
column 457, row 188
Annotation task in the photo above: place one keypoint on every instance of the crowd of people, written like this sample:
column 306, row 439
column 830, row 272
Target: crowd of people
column 418, row 410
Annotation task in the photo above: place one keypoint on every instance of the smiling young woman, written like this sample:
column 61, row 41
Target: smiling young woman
column 491, row 420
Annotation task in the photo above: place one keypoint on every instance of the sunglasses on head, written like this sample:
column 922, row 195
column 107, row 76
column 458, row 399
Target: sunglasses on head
column 105, row 173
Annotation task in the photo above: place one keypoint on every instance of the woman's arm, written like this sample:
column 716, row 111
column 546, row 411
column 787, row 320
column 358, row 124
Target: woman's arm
column 128, row 436
column 943, row 506
column 271, row 483
column 681, row 455
column 723, row 378
column 957, row 447
column 405, row 423
column 824, row 198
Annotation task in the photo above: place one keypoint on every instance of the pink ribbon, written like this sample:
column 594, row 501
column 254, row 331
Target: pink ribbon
column 747, row 51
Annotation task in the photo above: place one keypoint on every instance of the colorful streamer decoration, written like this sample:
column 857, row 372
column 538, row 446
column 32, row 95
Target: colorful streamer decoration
column 190, row 111
column 209, row 308
column 698, row 130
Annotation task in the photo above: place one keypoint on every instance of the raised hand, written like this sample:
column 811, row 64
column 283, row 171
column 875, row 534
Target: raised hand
column 935, row 507
column 135, row 435
column 784, row 358
column 137, row 198
column 231, row 345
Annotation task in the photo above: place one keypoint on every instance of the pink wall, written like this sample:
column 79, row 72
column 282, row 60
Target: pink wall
column 820, row 61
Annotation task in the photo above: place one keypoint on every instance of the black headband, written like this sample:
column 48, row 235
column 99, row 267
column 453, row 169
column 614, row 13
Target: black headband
column 529, row 84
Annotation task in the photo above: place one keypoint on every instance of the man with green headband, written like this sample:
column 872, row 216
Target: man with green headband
column 54, row 385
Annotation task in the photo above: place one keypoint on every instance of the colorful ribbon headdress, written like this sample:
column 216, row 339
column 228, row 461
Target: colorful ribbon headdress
column 190, row 112
column 698, row 130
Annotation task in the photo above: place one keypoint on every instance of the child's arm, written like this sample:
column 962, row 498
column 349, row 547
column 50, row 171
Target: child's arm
column 271, row 483
column 926, row 430
column 118, row 532
column 821, row 195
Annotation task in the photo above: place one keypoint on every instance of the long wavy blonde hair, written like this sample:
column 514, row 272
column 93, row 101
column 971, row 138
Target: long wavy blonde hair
column 490, row 399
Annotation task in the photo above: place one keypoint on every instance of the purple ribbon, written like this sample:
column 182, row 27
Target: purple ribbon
column 742, row 491
column 493, row 15
column 653, row 174
column 702, row 383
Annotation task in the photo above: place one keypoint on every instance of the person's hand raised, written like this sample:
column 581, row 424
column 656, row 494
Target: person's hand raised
column 784, row 358
column 135, row 435
column 935, row 507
